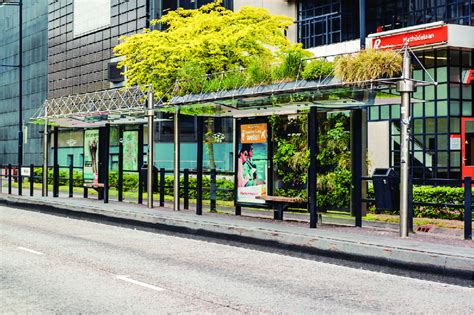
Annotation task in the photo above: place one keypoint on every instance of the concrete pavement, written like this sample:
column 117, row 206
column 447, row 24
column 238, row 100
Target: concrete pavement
column 445, row 262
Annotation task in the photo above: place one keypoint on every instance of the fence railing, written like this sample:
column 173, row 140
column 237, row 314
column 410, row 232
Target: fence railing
column 13, row 174
column 466, row 206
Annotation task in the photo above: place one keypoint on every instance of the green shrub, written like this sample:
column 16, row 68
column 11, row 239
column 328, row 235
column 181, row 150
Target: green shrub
column 317, row 69
column 429, row 194
column 368, row 64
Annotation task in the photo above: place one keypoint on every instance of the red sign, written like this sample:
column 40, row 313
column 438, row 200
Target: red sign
column 468, row 76
column 428, row 36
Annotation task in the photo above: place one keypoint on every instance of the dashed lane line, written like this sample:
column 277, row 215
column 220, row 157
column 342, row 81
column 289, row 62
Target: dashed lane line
column 143, row 284
column 29, row 250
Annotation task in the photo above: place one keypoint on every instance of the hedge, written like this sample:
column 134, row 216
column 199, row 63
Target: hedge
column 441, row 194
column 130, row 183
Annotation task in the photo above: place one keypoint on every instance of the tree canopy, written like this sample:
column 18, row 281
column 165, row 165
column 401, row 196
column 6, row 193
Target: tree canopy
column 211, row 39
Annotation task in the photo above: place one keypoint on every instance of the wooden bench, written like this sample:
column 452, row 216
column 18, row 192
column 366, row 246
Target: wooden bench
column 281, row 204
column 99, row 187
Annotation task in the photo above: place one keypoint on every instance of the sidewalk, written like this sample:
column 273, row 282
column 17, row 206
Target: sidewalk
column 441, row 255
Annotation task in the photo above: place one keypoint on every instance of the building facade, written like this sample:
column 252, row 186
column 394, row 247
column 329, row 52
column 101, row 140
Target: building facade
column 74, row 55
column 34, row 73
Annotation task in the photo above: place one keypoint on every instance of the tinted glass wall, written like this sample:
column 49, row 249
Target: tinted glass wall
column 436, row 119
column 78, row 61
column 35, row 65
column 333, row 21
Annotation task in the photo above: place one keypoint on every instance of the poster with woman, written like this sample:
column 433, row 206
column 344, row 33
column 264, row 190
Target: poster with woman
column 252, row 159
column 91, row 155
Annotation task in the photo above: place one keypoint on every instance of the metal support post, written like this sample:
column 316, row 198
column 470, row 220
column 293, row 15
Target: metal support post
column 55, row 163
column 20, row 93
column 238, row 207
column 9, row 179
column 176, row 160
column 213, row 190
column 45, row 156
column 106, row 162
column 200, row 145
column 362, row 32
column 313, row 168
column 120, row 165
column 32, row 179
column 405, row 86
column 162, row 187
column 71, row 180
column 140, row 163
column 467, row 208
column 186, row 189
column 151, row 148
column 20, row 181
column 357, row 158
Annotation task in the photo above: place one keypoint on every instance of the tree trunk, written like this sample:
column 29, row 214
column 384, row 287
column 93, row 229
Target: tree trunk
column 210, row 143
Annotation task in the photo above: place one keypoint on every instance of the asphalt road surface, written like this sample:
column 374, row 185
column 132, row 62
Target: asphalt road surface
column 53, row 264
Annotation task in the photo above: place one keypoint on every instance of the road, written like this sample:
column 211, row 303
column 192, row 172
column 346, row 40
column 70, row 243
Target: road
column 52, row 264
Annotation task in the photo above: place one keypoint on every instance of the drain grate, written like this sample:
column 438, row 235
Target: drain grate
column 425, row 228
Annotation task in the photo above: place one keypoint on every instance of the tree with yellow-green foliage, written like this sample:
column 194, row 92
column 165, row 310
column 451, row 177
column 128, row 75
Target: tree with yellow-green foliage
column 210, row 39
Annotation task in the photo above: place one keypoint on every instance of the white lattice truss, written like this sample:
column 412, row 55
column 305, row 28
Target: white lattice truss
column 123, row 101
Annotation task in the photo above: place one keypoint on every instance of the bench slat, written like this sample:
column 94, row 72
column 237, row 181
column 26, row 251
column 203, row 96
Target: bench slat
column 281, row 199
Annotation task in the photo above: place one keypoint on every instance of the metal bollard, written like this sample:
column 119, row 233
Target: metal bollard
column 467, row 208
column 162, row 187
column 213, row 190
column 186, row 189
column 71, row 180
column 9, row 179
column 32, row 179
column 19, row 180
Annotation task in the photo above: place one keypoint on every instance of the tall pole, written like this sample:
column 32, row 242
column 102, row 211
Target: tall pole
column 45, row 153
column 405, row 86
column 151, row 140
column 362, row 31
column 20, row 86
column 176, row 160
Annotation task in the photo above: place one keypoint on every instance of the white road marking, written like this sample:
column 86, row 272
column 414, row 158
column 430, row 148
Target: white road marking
column 143, row 284
column 30, row 250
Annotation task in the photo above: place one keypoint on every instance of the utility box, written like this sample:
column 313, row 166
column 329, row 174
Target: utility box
column 144, row 176
column 386, row 188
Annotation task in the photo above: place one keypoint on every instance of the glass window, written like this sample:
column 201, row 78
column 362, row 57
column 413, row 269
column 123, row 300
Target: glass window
column 429, row 109
column 442, row 74
column 467, row 92
column 418, row 110
column 442, row 159
column 442, row 58
column 442, row 90
column 442, row 125
column 395, row 111
column 442, row 108
column 466, row 58
column 418, row 126
column 454, row 108
column 374, row 113
column 430, row 125
column 454, row 75
column 455, row 159
column 455, row 90
column 443, row 142
column 467, row 108
column 429, row 93
column 384, row 112
column 455, row 125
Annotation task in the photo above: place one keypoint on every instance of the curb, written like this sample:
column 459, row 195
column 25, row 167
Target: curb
column 427, row 264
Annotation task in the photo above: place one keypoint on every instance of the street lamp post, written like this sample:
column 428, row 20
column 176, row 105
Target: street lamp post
column 19, row 3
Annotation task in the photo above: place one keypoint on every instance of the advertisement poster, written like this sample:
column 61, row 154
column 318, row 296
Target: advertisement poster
column 130, row 150
column 91, row 155
column 252, row 163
